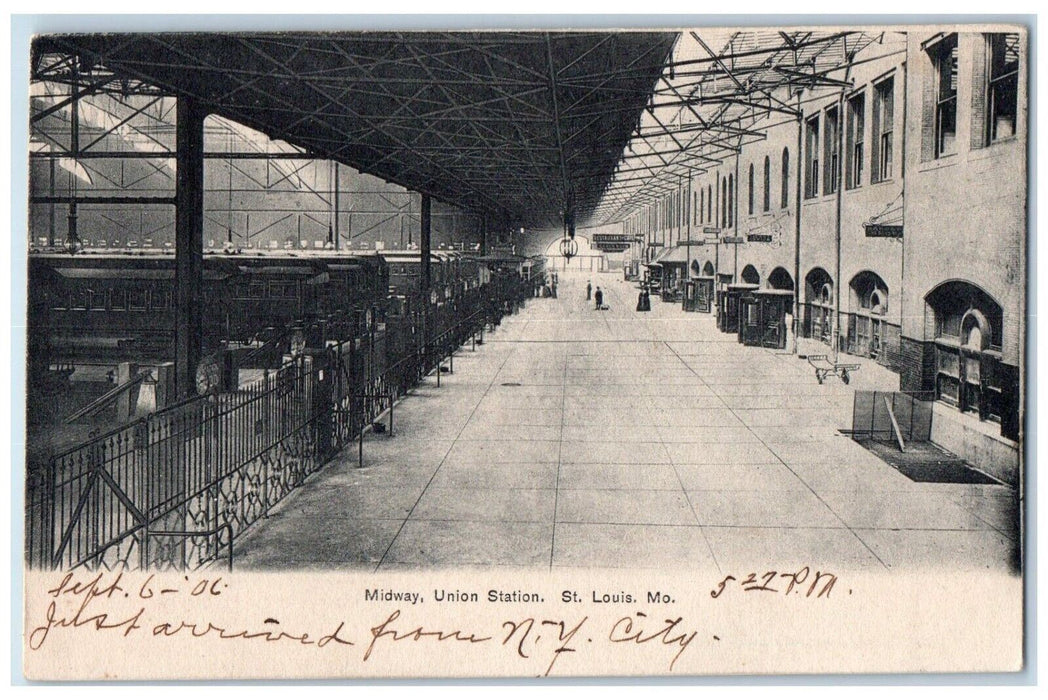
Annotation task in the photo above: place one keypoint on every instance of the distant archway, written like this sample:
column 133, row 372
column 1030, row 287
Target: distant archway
column 818, row 304
column 750, row 275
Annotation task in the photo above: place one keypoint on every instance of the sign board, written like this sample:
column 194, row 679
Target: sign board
column 612, row 242
column 655, row 244
column 759, row 238
column 700, row 242
column 884, row 230
column 711, row 229
column 733, row 239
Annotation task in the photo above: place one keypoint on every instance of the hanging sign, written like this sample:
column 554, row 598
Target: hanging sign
column 711, row 229
column 733, row 239
column 883, row 230
column 759, row 238
column 686, row 242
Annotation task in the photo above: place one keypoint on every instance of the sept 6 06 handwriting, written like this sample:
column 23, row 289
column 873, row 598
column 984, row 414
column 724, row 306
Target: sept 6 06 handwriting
column 124, row 604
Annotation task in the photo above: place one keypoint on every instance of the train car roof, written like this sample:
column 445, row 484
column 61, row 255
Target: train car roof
column 131, row 266
column 408, row 255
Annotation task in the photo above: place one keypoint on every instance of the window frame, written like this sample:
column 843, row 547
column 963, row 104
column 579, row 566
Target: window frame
column 990, row 136
column 882, row 160
column 856, row 140
column 943, row 52
column 811, row 157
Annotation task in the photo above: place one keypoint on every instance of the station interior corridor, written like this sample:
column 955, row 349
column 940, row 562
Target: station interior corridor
column 577, row 438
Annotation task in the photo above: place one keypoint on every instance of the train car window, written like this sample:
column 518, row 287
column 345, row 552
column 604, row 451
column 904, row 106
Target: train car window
column 118, row 298
column 138, row 298
column 97, row 300
column 81, row 298
column 282, row 290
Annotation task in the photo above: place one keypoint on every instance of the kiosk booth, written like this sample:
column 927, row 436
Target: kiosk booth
column 728, row 306
column 762, row 317
column 698, row 294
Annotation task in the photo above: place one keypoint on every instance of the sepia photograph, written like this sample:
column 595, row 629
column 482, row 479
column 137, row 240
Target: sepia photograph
column 380, row 352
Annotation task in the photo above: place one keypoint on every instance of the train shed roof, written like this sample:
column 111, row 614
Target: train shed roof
column 525, row 127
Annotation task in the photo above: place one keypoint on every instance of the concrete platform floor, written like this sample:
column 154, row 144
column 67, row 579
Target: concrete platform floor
column 582, row 439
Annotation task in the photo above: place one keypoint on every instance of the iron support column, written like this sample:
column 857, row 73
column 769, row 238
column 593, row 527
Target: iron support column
column 424, row 243
column 189, row 243
column 798, row 282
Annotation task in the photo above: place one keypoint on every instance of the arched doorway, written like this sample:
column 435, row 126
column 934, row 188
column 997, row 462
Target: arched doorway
column 818, row 304
column 967, row 325
column 750, row 275
column 868, row 303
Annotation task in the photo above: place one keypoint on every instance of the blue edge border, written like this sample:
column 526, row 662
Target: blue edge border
column 23, row 27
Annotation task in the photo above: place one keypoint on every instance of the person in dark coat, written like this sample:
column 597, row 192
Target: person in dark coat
column 598, row 296
column 589, row 290
column 640, row 301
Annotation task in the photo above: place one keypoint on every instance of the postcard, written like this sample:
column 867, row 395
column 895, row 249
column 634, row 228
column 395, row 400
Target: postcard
column 526, row 353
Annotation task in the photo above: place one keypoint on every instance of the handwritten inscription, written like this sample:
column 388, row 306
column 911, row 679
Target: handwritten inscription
column 805, row 583
column 134, row 606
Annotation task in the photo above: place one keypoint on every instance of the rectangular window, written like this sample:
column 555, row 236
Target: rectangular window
column 883, row 129
column 944, row 62
column 830, row 147
column 811, row 157
column 1002, row 53
column 856, row 140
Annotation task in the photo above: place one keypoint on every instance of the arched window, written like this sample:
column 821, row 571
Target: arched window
column 750, row 275
column 731, row 201
column 785, row 178
column 767, row 183
column 750, row 199
column 702, row 205
column 724, row 203
column 967, row 323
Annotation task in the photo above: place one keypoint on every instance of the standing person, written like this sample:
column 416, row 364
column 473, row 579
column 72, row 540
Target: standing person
column 589, row 290
column 640, row 301
column 598, row 296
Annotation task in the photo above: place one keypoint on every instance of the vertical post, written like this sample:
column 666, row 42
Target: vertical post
column 689, row 214
column 424, row 244
column 335, row 199
column 51, row 207
column 798, row 283
column 733, row 193
column 74, row 148
column 484, row 234
column 838, row 188
column 189, row 240
column 425, row 275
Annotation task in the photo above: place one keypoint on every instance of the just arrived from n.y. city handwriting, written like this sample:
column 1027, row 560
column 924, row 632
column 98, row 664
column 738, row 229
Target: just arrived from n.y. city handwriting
column 528, row 637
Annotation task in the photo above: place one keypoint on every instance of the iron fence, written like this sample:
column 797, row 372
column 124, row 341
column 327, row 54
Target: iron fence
column 175, row 488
